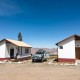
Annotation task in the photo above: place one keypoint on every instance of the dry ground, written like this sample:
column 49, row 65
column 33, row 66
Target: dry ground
column 38, row 71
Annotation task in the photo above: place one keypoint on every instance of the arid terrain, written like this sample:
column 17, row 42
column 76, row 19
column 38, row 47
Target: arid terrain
column 52, row 51
column 38, row 71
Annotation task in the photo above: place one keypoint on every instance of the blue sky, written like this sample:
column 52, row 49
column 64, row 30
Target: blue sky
column 41, row 22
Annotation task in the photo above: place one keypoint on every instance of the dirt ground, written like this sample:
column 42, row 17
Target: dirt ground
column 38, row 71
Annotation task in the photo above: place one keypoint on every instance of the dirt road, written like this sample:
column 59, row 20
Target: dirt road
column 38, row 71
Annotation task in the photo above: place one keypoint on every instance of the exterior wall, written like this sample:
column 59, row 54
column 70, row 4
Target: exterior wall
column 77, row 43
column 24, row 58
column 2, row 49
column 68, row 51
column 7, row 49
column 21, row 53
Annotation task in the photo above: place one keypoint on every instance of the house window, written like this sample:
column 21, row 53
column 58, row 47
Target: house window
column 61, row 47
column 26, row 50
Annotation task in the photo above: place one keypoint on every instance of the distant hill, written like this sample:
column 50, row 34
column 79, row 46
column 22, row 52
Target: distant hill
column 52, row 51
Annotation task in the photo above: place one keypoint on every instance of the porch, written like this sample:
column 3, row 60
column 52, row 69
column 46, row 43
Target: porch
column 16, row 49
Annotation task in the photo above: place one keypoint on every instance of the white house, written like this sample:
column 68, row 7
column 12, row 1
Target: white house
column 69, row 49
column 9, row 49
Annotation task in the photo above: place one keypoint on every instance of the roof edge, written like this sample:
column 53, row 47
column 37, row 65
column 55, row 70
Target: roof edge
column 67, row 38
column 14, row 40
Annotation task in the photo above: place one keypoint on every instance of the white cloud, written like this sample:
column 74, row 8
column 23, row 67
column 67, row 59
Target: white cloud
column 9, row 7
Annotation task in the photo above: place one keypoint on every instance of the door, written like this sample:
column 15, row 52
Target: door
column 12, row 53
column 78, row 53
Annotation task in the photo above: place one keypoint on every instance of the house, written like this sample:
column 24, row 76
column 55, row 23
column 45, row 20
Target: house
column 10, row 48
column 69, row 49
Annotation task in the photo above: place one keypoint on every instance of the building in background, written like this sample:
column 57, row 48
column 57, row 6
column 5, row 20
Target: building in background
column 69, row 49
column 10, row 48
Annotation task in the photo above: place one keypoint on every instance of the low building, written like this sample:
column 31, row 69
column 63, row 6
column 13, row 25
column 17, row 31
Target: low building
column 69, row 49
column 9, row 49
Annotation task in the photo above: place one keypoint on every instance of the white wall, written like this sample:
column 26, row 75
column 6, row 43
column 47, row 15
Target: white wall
column 5, row 50
column 12, row 46
column 8, row 47
column 2, row 49
column 23, row 52
column 68, row 50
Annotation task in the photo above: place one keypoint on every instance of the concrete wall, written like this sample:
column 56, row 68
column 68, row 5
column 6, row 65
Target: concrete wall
column 8, row 47
column 12, row 46
column 68, row 51
column 2, row 49
column 23, row 51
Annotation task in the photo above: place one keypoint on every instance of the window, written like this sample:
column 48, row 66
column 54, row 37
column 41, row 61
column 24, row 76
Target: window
column 61, row 47
column 26, row 50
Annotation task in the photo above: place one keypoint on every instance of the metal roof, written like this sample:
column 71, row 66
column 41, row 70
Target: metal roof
column 18, row 43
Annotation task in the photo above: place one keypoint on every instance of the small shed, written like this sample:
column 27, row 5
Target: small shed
column 10, row 48
column 69, row 49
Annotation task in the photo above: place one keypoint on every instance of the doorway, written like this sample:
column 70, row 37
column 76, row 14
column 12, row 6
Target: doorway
column 78, row 53
column 12, row 53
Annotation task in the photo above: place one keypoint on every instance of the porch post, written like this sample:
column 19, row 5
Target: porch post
column 21, row 50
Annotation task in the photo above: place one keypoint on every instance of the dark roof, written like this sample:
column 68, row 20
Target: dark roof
column 76, row 37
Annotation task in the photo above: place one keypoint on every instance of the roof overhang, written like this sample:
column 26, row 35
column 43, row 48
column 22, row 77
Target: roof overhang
column 17, row 43
column 76, row 37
